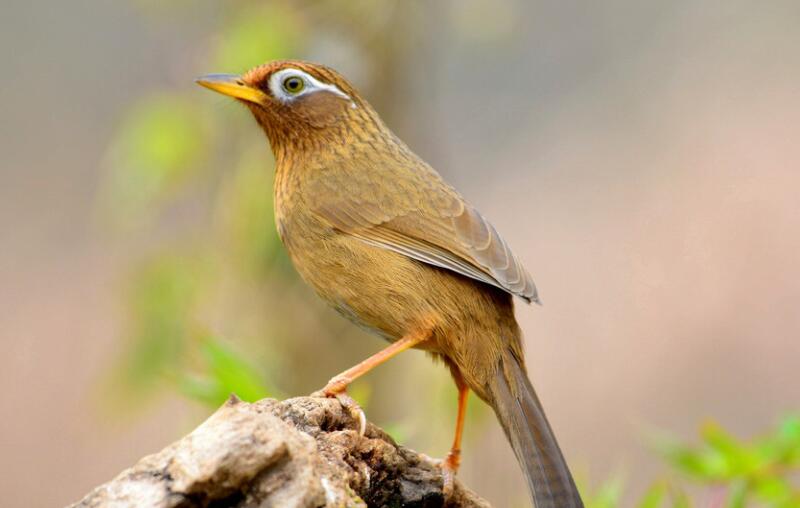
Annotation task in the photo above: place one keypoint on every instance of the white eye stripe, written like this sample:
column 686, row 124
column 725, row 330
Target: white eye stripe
column 311, row 85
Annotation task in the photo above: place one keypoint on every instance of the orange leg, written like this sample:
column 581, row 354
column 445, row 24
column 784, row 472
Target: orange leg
column 453, row 460
column 454, row 457
column 337, row 386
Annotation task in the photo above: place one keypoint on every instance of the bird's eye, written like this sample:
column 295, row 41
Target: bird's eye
column 294, row 85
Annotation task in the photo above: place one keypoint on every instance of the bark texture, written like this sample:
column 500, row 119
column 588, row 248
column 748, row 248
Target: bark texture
column 302, row 452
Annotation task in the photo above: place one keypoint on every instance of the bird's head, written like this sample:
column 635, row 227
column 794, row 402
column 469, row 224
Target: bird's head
column 295, row 101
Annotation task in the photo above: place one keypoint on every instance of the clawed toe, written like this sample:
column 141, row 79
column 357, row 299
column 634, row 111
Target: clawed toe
column 448, row 483
column 355, row 410
column 449, row 469
column 337, row 388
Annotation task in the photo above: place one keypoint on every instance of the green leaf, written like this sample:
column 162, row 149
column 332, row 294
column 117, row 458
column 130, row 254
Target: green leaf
column 737, row 496
column 686, row 459
column 231, row 372
column 158, row 147
column 790, row 429
column 788, row 441
column 161, row 302
column 608, row 495
column 726, row 456
column 772, row 488
column 680, row 499
column 654, row 496
column 201, row 389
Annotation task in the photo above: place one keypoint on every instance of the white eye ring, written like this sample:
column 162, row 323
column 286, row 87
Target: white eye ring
column 310, row 85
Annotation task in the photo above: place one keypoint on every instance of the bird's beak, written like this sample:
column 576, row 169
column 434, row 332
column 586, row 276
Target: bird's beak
column 232, row 86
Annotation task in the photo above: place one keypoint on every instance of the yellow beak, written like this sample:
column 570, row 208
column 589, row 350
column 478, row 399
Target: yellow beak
column 232, row 86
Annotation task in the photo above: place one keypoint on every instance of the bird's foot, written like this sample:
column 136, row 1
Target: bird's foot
column 337, row 388
column 449, row 469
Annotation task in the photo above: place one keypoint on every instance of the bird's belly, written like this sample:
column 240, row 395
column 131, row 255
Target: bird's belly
column 393, row 295
column 374, row 288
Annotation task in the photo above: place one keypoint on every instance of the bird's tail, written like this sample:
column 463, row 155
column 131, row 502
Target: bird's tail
column 522, row 417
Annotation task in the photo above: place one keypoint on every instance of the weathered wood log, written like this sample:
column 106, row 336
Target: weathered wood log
column 302, row 452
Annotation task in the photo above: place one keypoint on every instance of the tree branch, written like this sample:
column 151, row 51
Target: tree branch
column 302, row 452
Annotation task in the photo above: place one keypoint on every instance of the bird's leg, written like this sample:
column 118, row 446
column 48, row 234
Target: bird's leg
column 453, row 459
column 337, row 386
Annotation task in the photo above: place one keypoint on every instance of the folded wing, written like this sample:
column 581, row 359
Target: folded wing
column 420, row 216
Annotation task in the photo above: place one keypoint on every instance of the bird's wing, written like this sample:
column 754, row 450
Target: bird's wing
column 415, row 213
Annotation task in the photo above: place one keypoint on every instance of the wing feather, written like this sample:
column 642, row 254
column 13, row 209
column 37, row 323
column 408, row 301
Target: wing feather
column 417, row 214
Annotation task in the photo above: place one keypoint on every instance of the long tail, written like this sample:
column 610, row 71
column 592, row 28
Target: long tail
column 522, row 417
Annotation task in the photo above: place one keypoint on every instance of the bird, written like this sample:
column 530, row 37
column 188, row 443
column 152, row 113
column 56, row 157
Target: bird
column 382, row 238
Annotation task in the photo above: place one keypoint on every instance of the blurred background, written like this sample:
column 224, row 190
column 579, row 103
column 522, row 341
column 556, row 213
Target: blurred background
column 642, row 158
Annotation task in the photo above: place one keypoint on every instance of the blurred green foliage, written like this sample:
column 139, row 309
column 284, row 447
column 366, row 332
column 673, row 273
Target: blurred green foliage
column 169, row 345
column 720, row 471
column 157, row 149
column 171, row 153
column 256, row 30
column 193, row 184
column 226, row 373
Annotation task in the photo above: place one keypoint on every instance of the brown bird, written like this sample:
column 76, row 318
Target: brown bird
column 391, row 246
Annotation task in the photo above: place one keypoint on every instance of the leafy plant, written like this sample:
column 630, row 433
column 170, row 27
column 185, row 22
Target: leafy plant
column 729, row 472
column 194, row 187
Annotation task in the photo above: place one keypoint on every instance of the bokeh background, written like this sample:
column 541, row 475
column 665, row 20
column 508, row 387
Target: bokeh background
column 642, row 158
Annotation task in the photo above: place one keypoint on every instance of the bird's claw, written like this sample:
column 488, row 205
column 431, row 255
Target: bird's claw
column 337, row 388
column 449, row 469
column 354, row 409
